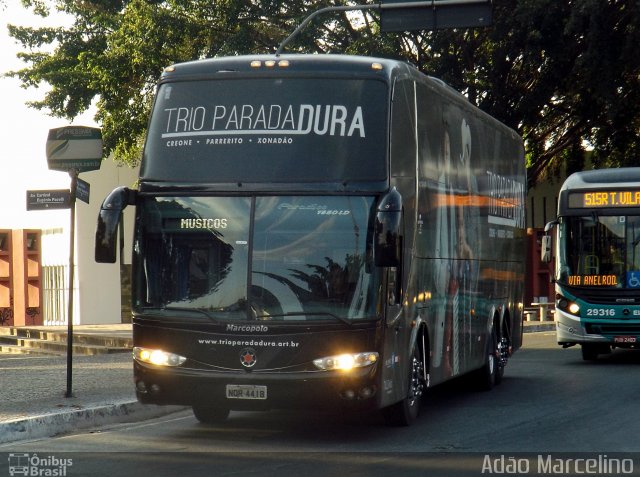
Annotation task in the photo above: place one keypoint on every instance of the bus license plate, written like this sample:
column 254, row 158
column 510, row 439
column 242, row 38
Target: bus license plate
column 246, row 391
column 625, row 339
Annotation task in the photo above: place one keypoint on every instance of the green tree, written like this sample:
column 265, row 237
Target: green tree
column 562, row 73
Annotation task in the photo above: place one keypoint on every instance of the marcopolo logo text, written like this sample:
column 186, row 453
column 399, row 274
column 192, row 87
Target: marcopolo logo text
column 248, row 328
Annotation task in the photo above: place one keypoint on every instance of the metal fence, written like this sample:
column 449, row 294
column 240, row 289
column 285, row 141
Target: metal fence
column 55, row 294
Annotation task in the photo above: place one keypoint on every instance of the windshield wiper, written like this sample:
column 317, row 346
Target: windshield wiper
column 182, row 309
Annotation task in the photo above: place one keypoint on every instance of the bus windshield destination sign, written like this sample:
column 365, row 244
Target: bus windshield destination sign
column 593, row 280
column 604, row 199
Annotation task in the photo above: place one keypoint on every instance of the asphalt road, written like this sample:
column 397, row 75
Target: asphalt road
column 550, row 407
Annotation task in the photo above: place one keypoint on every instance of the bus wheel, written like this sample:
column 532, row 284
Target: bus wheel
column 590, row 351
column 491, row 373
column 405, row 412
column 210, row 414
column 502, row 353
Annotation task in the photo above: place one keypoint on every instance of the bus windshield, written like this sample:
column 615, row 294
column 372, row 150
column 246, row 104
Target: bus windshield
column 255, row 258
column 600, row 251
column 267, row 130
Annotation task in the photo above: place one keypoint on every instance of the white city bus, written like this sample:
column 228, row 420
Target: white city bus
column 597, row 272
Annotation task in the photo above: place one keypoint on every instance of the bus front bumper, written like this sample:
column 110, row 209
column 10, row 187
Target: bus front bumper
column 571, row 330
column 255, row 391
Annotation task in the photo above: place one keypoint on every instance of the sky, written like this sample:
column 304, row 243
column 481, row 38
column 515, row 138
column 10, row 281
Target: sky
column 23, row 132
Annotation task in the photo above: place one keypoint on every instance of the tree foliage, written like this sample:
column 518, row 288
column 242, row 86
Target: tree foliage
column 562, row 73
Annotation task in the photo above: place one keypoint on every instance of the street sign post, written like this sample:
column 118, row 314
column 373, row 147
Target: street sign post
column 48, row 199
column 402, row 15
column 82, row 190
column 74, row 147
column 73, row 173
column 411, row 15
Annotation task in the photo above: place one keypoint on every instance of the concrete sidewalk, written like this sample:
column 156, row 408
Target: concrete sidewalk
column 33, row 388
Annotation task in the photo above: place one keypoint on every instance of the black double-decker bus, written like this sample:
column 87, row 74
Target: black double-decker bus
column 319, row 232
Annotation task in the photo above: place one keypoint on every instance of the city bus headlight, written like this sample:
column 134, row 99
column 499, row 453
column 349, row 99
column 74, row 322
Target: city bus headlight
column 157, row 357
column 567, row 305
column 346, row 362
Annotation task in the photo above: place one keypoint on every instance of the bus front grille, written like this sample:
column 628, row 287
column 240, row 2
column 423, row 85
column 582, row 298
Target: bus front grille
column 613, row 329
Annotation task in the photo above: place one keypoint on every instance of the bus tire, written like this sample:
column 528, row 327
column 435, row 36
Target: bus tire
column 208, row 414
column 492, row 371
column 589, row 352
column 405, row 412
column 502, row 352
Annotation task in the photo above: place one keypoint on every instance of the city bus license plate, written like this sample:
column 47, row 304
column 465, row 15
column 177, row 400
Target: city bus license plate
column 625, row 339
column 246, row 391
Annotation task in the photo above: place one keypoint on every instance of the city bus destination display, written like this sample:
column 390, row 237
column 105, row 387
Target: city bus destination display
column 604, row 199
column 593, row 280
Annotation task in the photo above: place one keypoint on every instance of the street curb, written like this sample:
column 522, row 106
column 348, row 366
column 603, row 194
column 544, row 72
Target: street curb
column 537, row 327
column 49, row 425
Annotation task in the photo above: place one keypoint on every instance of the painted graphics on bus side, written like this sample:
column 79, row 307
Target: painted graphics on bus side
column 474, row 216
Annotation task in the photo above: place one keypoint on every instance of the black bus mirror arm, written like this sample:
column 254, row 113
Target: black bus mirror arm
column 109, row 221
column 550, row 226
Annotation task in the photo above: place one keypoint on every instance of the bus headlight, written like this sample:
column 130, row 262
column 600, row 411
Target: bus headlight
column 567, row 305
column 157, row 357
column 346, row 362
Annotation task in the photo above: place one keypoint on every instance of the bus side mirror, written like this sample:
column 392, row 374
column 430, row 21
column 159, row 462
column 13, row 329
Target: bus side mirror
column 108, row 222
column 388, row 235
column 545, row 252
column 545, row 245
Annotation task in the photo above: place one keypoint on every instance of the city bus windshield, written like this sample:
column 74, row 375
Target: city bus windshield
column 268, row 130
column 262, row 258
column 600, row 251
